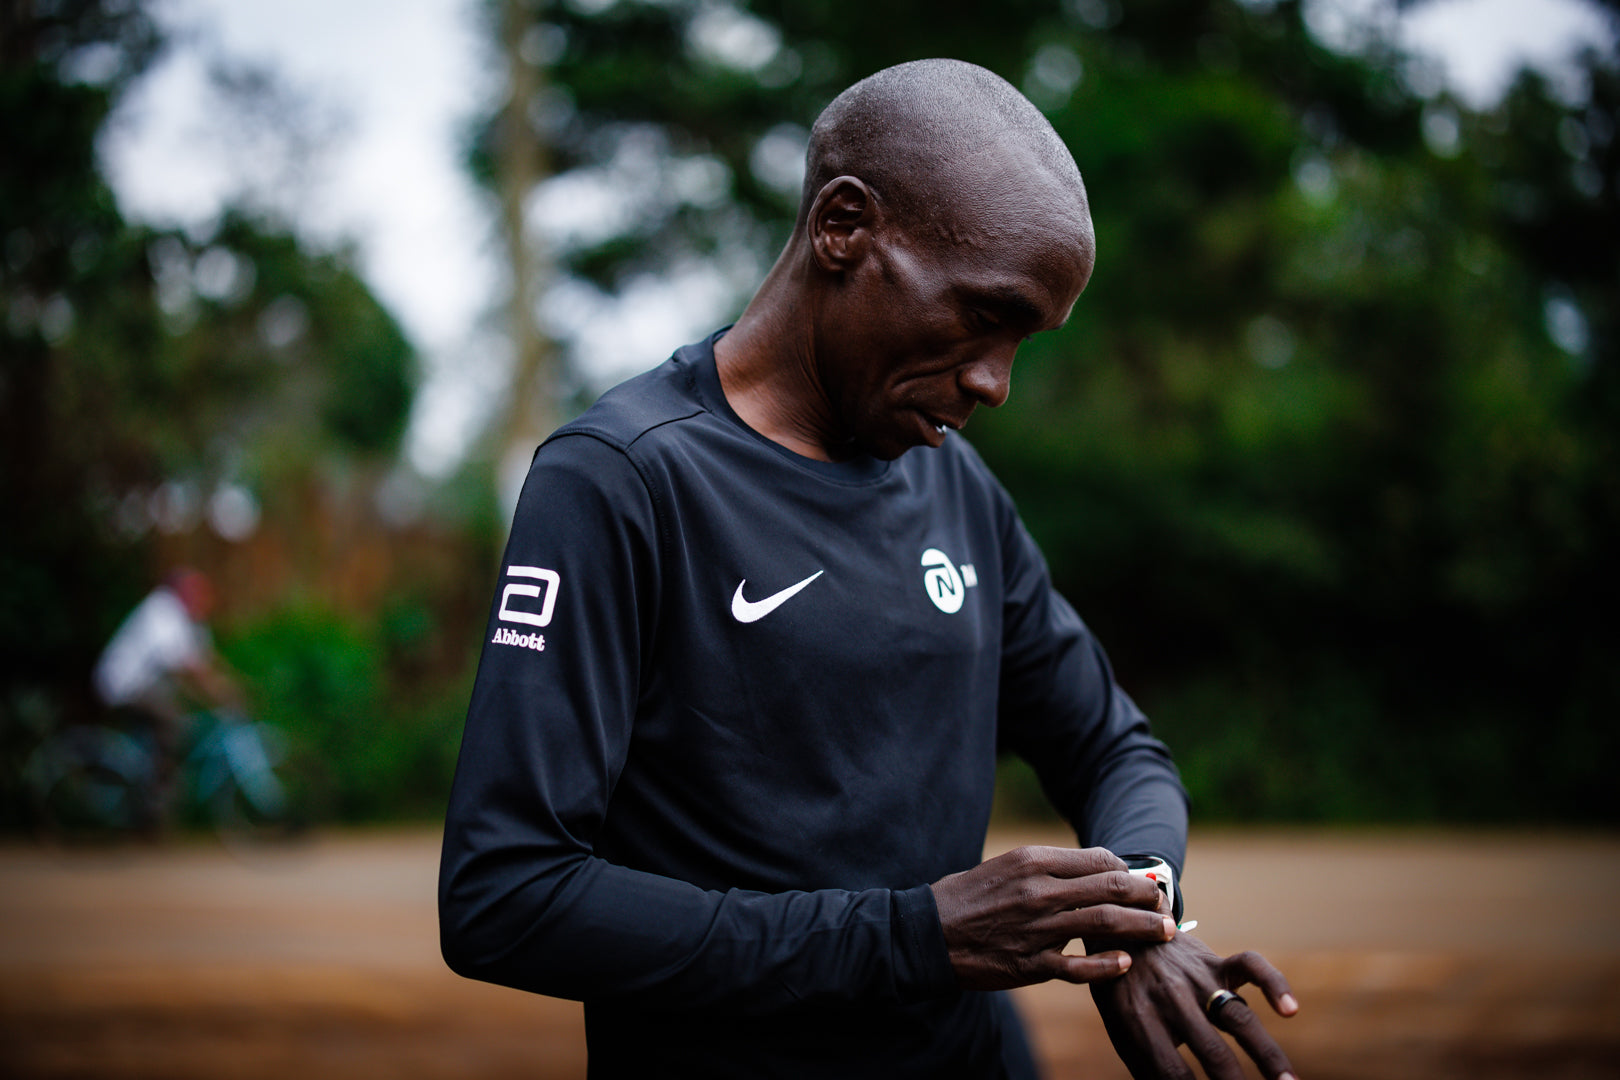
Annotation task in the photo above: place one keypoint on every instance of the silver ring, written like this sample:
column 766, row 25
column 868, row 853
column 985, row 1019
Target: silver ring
column 1217, row 1003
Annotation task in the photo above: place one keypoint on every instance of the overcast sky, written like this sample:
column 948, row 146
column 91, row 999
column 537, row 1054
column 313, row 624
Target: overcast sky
column 392, row 83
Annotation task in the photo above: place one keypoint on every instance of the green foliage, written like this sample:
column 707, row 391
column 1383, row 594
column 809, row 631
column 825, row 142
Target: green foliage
column 1327, row 453
column 325, row 680
column 1326, row 478
column 132, row 358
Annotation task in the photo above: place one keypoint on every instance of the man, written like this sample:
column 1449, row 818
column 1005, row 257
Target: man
column 162, row 651
column 765, row 621
column 160, row 663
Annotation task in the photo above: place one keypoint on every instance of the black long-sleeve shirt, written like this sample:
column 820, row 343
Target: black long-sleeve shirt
column 736, row 710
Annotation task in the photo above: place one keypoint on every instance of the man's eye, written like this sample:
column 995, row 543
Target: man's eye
column 982, row 320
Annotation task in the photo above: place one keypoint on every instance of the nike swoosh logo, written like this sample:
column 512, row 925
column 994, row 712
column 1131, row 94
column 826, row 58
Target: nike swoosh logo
column 752, row 611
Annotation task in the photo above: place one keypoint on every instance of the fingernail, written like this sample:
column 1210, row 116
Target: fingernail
column 1169, row 929
column 1124, row 961
column 1289, row 1005
column 1287, row 1076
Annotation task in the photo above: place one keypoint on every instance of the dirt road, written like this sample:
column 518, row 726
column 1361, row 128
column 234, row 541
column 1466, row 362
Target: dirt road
column 1413, row 955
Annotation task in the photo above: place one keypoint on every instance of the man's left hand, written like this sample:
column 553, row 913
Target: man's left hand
column 1160, row 1004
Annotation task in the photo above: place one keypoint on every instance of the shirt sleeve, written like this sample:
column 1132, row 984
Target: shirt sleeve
column 1062, row 711
column 523, row 899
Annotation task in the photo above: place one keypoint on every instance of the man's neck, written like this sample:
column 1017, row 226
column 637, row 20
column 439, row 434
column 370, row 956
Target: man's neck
column 766, row 364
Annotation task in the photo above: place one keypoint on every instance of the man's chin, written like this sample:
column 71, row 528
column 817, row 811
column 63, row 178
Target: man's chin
column 890, row 443
column 888, row 453
column 886, row 449
column 905, row 430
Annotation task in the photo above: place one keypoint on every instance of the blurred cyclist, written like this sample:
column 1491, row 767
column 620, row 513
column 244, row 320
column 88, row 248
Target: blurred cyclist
column 161, row 665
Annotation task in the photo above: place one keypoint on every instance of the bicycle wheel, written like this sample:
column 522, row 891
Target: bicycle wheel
column 92, row 784
column 240, row 782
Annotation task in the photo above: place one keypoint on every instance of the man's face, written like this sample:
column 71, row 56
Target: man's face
column 196, row 593
column 924, row 330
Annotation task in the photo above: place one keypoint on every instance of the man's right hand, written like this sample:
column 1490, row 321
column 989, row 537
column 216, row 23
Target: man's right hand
column 1008, row 920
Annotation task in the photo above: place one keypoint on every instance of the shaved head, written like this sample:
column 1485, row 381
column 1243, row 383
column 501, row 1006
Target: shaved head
column 916, row 133
column 943, row 222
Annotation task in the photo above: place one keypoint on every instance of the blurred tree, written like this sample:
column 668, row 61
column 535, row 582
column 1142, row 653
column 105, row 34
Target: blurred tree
column 59, row 70
column 145, row 372
column 530, row 411
column 1328, row 451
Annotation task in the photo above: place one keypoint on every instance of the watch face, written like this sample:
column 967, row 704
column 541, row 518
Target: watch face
column 1142, row 862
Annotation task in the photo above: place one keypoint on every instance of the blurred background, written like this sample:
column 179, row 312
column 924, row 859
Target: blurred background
column 1329, row 456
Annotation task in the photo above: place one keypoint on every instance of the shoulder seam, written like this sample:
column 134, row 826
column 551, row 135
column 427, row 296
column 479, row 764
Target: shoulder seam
column 644, row 432
column 665, row 536
column 605, row 435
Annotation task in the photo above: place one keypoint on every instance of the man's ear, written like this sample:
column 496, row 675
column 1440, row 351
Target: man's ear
column 841, row 221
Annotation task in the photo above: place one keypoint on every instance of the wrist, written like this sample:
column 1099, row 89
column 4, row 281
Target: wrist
column 923, row 965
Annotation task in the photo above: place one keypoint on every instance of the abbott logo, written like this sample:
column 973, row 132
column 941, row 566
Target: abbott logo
column 945, row 587
column 508, row 613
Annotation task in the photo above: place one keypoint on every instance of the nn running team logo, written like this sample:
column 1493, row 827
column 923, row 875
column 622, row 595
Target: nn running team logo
column 527, row 604
column 946, row 586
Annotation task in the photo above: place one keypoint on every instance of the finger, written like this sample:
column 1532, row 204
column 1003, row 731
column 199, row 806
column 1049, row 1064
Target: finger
column 1042, row 907
column 1056, row 964
column 1123, row 1029
column 1061, row 862
column 1240, row 1021
column 1158, row 1049
column 1041, row 903
column 1081, row 862
column 1139, row 1036
column 1107, row 921
column 1203, row 1038
column 1110, row 887
column 1251, row 967
column 1212, row 1052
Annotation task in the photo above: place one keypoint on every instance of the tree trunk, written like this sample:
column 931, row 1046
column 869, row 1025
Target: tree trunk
column 532, row 410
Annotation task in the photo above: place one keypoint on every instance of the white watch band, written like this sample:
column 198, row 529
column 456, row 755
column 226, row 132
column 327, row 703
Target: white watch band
column 1157, row 871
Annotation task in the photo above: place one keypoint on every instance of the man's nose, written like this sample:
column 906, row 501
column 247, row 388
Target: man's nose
column 988, row 378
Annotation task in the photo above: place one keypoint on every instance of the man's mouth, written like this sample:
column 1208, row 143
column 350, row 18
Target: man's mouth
column 941, row 427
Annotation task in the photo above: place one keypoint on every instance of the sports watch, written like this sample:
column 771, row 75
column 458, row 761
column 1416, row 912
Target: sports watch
column 1160, row 873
